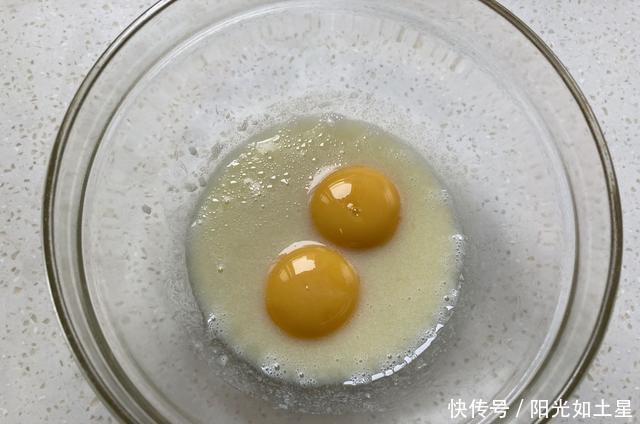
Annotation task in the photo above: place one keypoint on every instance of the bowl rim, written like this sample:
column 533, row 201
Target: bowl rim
column 53, row 168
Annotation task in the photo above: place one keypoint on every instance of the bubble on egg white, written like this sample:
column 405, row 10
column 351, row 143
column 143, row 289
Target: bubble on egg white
column 459, row 244
column 358, row 379
column 254, row 186
column 216, row 325
column 273, row 368
column 444, row 196
column 222, row 359
column 330, row 119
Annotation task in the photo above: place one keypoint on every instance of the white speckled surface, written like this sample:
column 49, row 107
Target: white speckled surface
column 46, row 47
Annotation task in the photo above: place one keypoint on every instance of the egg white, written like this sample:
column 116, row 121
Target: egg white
column 255, row 208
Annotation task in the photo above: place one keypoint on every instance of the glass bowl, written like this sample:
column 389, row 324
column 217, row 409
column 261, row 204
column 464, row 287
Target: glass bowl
column 467, row 84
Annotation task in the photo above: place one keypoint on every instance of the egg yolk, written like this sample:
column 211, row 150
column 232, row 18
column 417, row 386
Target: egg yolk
column 311, row 291
column 356, row 207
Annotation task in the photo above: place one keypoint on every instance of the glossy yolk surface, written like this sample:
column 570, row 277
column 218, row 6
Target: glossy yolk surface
column 356, row 207
column 311, row 291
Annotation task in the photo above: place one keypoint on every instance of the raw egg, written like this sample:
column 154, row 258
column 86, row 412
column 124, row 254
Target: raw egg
column 356, row 207
column 311, row 291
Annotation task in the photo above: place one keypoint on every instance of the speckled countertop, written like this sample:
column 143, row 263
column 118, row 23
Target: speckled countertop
column 46, row 47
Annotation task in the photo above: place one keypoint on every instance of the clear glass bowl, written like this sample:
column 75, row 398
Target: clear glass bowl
column 466, row 83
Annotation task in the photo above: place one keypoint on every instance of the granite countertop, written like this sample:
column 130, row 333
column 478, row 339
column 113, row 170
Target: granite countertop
column 46, row 47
